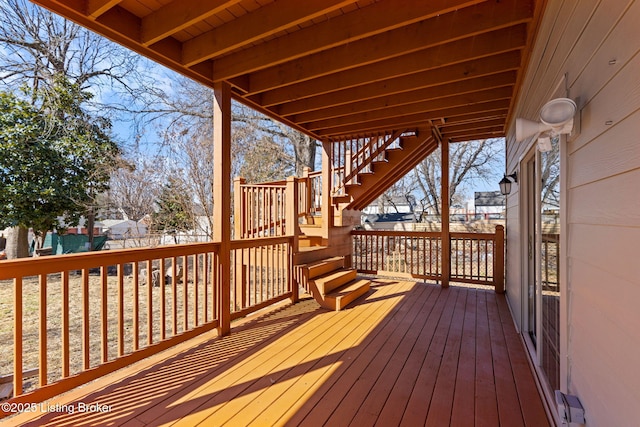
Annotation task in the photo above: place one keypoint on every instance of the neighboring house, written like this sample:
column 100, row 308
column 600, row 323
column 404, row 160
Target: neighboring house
column 123, row 228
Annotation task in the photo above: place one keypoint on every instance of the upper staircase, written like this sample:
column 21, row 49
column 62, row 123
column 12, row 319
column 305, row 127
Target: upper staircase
column 362, row 169
column 377, row 164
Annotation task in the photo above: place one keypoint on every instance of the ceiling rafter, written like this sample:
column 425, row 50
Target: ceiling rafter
column 370, row 20
column 253, row 26
column 446, row 90
column 491, row 108
column 178, row 15
column 467, row 99
column 481, row 46
column 424, row 79
column 445, row 28
column 96, row 8
column 335, row 68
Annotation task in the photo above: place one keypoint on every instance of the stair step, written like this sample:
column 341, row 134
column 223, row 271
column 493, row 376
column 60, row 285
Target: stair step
column 343, row 199
column 308, row 241
column 328, row 282
column 325, row 266
column 344, row 295
column 311, row 230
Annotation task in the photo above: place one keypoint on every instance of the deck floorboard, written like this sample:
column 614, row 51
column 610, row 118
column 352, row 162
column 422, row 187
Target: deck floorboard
column 407, row 353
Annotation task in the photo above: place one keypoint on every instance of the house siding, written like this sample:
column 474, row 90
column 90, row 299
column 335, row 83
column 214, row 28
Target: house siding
column 590, row 51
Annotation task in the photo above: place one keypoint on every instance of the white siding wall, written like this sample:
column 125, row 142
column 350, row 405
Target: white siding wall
column 596, row 44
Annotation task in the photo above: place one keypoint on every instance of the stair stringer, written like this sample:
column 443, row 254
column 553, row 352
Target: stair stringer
column 385, row 174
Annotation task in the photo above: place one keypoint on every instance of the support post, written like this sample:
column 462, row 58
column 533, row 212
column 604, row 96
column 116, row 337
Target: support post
column 444, row 212
column 327, row 186
column 222, row 198
column 498, row 260
column 293, row 230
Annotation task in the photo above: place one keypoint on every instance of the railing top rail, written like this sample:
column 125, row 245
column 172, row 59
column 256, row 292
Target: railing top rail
column 478, row 236
column 259, row 241
column 282, row 184
column 434, row 234
column 10, row 269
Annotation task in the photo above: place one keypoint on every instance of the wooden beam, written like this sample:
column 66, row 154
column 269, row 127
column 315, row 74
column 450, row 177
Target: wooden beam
column 222, row 198
column 252, row 27
column 467, row 100
column 415, row 37
column 178, row 15
column 424, row 79
column 498, row 107
column 484, row 45
column 96, row 8
column 449, row 90
column 339, row 30
column 449, row 128
column 444, row 213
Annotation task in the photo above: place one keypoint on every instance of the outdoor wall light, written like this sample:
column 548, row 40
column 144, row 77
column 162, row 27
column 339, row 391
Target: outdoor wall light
column 556, row 118
column 505, row 183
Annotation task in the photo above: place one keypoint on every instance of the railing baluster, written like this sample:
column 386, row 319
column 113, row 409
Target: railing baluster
column 185, row 294
column 149, row 302
column 136, row 308
column 65, row 324
column 17, row 336
column 121, row 310
column 86, row 333
column 163, row 301
column 196, row 284
column 42, row 356
column 174, row 299
column 104, row 310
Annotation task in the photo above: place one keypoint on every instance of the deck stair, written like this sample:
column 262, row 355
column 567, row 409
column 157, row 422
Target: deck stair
column 332, row 285
column 384, row 170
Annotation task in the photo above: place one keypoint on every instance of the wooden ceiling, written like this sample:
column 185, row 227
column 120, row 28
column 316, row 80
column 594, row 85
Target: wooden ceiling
column 336, row 69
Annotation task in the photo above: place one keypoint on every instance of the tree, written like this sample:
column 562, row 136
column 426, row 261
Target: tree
column 53, row 159
column 38, row 47
column 133, row 188
column 173, row 215
column 186, row 108
column 468, row 161
column 43, row 56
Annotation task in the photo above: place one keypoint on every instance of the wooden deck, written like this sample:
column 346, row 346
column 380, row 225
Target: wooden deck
column 406, row 354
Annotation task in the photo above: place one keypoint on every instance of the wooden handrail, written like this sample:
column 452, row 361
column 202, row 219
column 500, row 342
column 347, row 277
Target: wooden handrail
column 474, row 257
column 23, row 267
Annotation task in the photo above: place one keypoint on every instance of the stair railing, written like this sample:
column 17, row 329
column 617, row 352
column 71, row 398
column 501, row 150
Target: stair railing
column 260, row 210
column 354, row 156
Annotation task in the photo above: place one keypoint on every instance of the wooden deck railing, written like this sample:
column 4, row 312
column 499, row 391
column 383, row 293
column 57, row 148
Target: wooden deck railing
column 309, row 193
column 263, row 273
column 475, row 257
column 260, row 210
column 405, row 253
column 78, row 317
